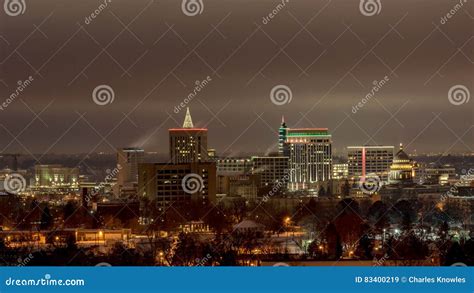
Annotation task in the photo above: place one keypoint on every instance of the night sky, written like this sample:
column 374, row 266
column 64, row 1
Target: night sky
column 151, row 54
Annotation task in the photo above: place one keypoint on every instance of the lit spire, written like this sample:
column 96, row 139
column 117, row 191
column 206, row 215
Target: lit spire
column 188, row 121
column 283, row 124
column 401, row 146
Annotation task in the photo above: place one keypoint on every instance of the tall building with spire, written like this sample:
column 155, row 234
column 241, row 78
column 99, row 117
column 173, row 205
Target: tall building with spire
column 188, row 144
column 282, row 146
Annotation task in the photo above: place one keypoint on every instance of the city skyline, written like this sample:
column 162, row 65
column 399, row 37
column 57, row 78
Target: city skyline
column 164, row 133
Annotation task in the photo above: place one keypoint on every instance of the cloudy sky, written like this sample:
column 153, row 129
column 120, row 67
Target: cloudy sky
column 328, row 53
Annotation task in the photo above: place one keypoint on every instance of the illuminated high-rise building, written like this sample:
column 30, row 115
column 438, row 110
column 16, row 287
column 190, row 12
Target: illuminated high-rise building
column 272, row 169
column 282, row 146
column 233, row 166
column 127, row 164
column 169, row 183
column 366, row 161
column 188, row 144
column 310, row 157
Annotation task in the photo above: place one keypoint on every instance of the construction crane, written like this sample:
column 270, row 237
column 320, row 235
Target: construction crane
column 14, row 158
